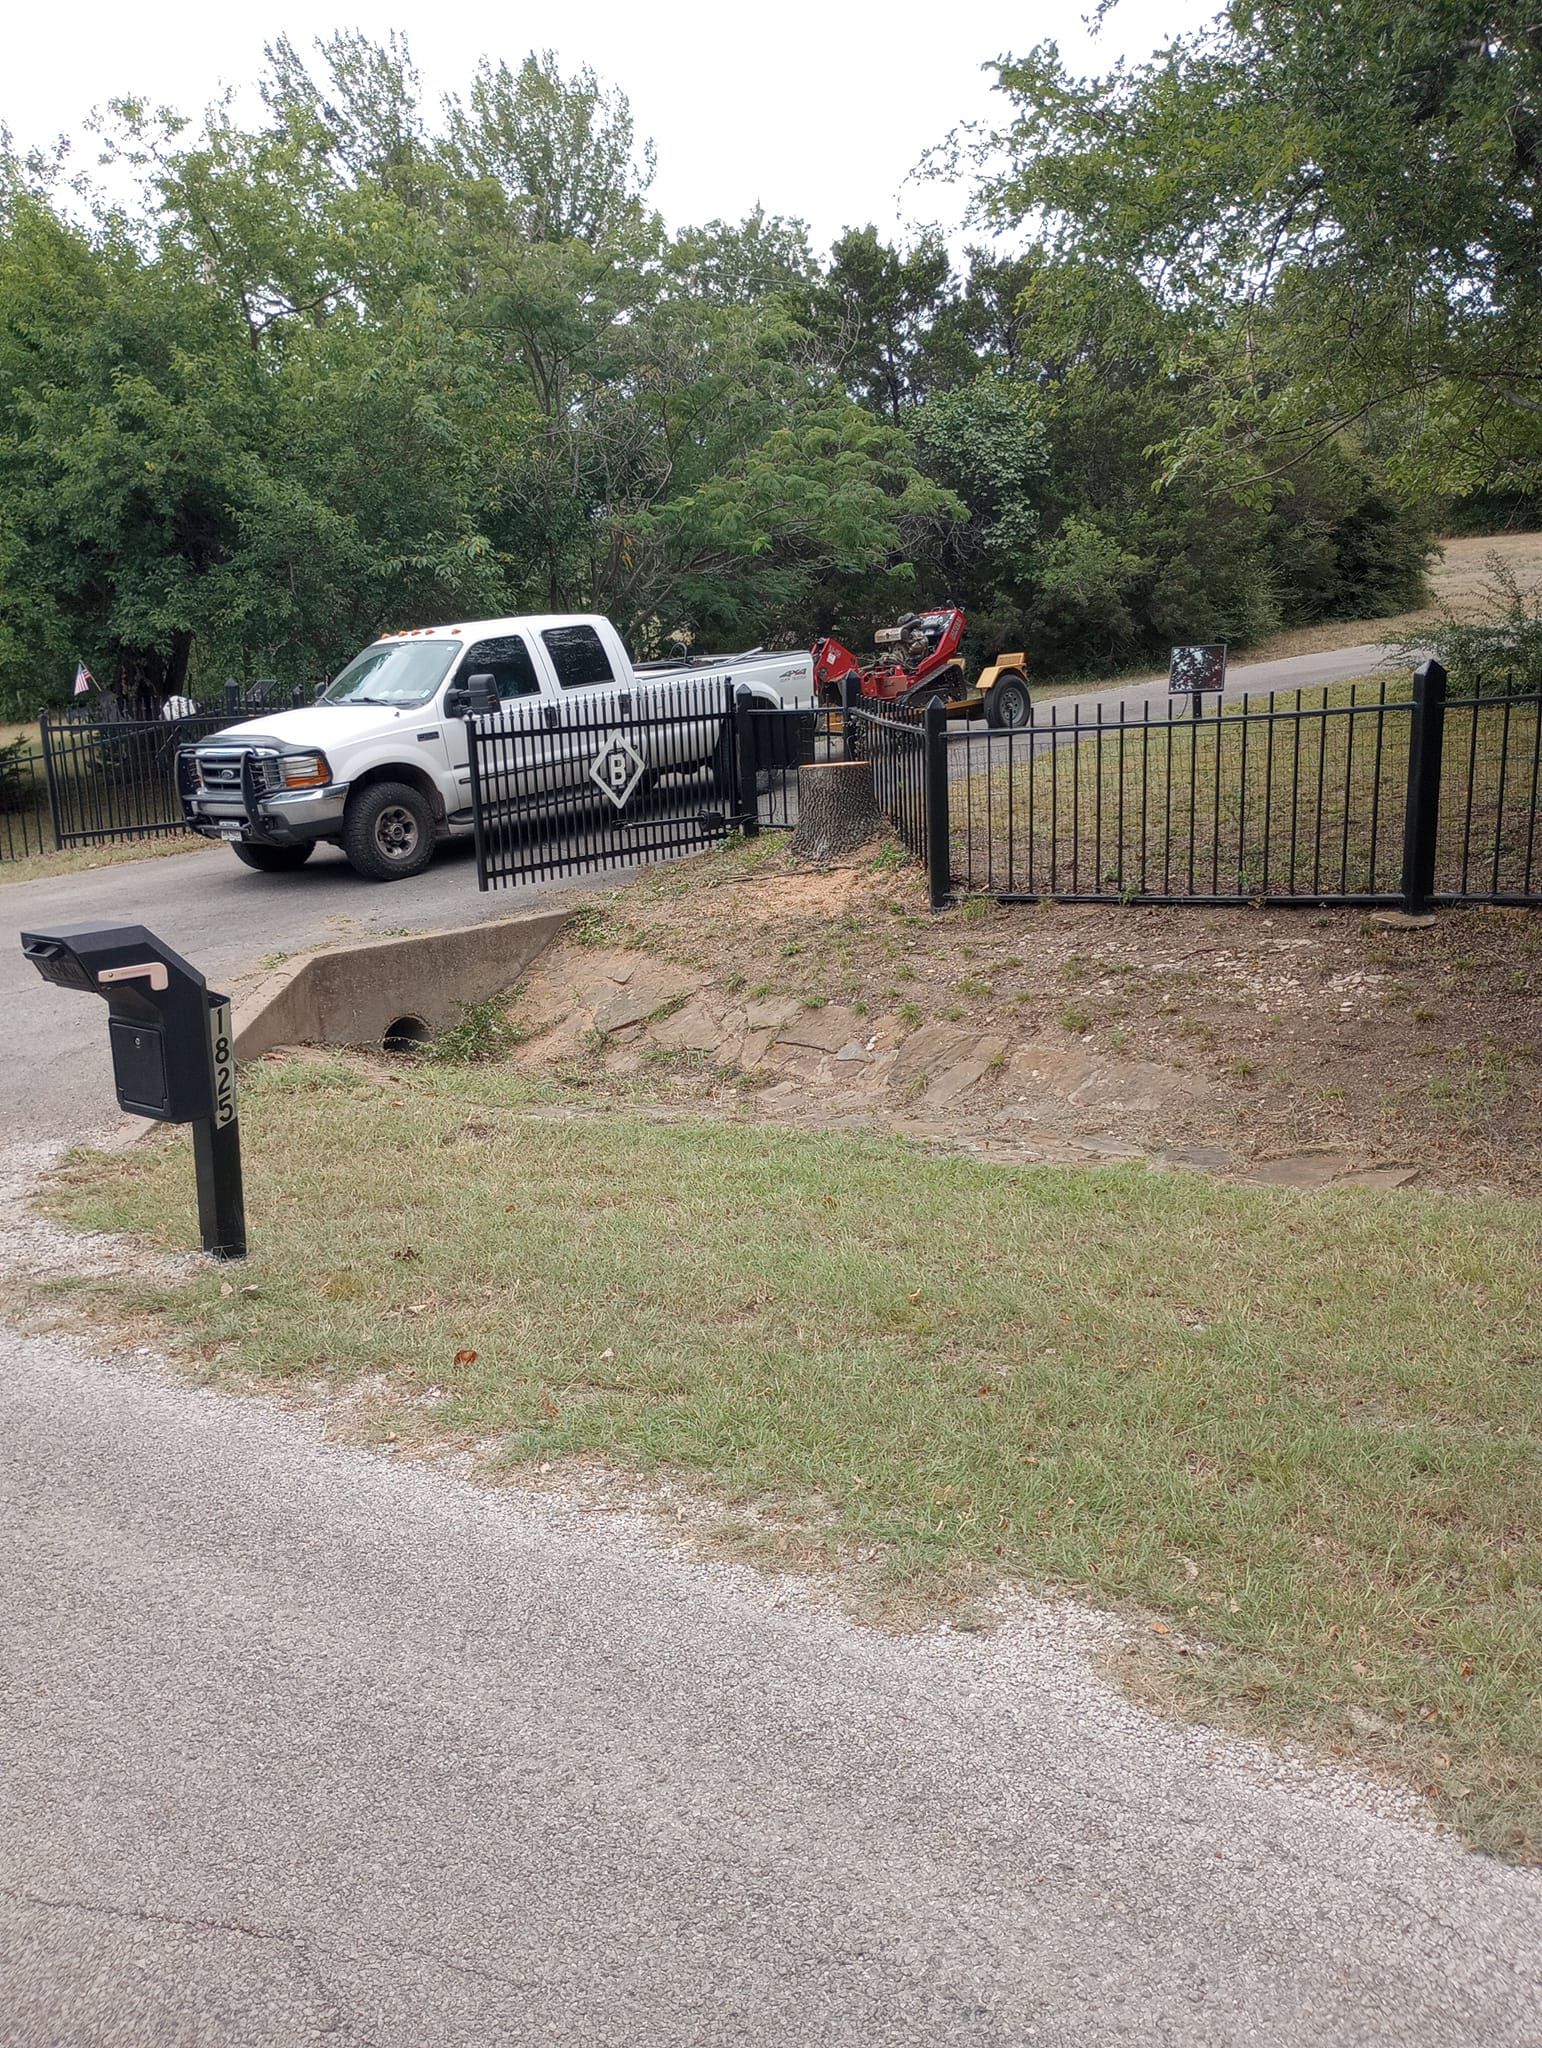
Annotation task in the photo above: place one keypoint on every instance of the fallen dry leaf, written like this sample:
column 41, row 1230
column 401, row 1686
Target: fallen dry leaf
column 465, row 1356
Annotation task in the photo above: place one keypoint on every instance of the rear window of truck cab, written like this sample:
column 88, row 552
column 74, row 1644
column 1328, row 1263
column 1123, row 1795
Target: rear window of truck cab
column 578, row 655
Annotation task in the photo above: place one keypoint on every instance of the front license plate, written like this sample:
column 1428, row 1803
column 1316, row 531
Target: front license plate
column 231, row 832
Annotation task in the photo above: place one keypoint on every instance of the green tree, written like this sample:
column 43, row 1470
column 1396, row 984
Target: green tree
column 875, row 311
column 1341, row 197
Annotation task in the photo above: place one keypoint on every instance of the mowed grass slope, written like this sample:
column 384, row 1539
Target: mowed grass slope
column 1304, row 1429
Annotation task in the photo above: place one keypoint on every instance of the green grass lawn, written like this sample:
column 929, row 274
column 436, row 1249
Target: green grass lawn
column 1306, row 803
column 1303, row 1429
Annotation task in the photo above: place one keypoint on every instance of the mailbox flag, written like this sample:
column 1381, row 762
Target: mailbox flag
column 84, row 680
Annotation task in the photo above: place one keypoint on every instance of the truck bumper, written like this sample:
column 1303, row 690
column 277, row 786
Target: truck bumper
column 287, row 820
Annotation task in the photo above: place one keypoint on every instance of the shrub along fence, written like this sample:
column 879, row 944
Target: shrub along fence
column 1362, row 793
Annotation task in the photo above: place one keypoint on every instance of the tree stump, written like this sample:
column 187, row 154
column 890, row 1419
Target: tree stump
column 837, row 811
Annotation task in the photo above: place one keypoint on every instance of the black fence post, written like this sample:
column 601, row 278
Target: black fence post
column 1426, row 741
column 939, row 864
column 51, row 777
column 232, row 696
column 851, row 697
column 748, row 805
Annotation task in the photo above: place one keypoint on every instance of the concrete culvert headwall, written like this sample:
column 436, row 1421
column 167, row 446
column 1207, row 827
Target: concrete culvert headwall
column 375, row 990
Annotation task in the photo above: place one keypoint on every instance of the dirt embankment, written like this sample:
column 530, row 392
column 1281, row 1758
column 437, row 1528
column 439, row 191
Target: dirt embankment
column 1299, row 1048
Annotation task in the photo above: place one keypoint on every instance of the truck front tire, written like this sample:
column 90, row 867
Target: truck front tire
column 388, row 831
column 273, row 860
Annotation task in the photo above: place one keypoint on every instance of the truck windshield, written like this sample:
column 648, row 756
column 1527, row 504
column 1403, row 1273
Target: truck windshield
column 396, row 672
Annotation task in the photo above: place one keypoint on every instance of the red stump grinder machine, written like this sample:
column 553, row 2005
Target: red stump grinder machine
column 918, row 660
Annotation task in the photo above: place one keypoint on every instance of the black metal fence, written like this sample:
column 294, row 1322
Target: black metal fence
column 117, row 780
column 775, row 744
column 1350, row 794
column 93, row 780
column 607, row 782
column 25, row 824
column 1363, row 793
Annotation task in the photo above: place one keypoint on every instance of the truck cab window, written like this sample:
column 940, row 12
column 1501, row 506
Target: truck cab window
column 578, row 655
column 507, row 659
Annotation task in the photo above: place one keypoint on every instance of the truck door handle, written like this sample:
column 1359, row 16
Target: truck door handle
column 624, row 701
column 548, row 714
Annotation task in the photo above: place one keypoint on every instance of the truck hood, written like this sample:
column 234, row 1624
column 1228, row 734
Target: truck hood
column 325, row 725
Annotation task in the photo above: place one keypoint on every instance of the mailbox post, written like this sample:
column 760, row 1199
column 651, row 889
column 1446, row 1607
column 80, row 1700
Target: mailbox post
column 173, row 1054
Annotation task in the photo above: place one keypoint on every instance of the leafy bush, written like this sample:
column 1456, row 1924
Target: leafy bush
column 17, row 788
column 483, row 1033
column 1498, row 650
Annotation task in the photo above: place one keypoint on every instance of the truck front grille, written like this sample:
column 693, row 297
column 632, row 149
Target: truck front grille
column 219, row 770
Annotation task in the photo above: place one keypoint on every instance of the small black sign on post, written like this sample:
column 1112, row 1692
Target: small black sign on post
column 1194, row 672
column 173, row 1054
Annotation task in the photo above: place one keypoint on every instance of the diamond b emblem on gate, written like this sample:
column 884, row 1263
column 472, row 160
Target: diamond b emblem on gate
column 618, row 768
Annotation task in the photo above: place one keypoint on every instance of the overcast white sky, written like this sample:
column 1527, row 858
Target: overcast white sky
column 818, row 111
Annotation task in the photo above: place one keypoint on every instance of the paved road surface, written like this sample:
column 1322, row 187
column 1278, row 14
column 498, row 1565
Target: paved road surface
column 298, row 1745
column 1295, row 672
column 304, row 1746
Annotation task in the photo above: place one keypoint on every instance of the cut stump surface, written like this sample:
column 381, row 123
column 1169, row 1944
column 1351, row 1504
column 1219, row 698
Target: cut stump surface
column 837, row 811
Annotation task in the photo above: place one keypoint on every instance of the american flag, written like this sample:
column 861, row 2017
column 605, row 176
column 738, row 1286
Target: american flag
column 84, row 680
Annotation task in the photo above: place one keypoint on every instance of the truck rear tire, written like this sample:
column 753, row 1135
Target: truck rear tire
column 1008, row 707
column 272, row 860
column 388, row 831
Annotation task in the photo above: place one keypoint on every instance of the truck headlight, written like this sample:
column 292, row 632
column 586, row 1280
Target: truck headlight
column 309, row 770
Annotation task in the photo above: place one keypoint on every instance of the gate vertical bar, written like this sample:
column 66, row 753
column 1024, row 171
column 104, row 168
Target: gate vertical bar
column 1426, row 739
column 939, row 865
column 747, row 806
column 51, row 777
column 478, row 811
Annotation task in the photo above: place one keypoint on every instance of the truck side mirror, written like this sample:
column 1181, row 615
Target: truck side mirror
column 477, row 697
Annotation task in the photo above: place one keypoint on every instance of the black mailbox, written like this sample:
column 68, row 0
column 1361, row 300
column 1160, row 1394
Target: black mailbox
column 173, row 1058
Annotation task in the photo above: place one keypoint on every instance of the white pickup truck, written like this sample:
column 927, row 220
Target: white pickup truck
column 379, row 765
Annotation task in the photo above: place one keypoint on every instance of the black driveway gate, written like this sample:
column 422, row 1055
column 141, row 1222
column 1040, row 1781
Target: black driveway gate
column 613, row 780
column 116, row 778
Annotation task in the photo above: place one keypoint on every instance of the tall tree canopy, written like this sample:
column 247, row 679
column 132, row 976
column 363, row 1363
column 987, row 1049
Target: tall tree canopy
column 1340, row 197
column 357, row 364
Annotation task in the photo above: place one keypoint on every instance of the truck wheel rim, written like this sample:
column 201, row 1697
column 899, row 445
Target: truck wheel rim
column 396, row 832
